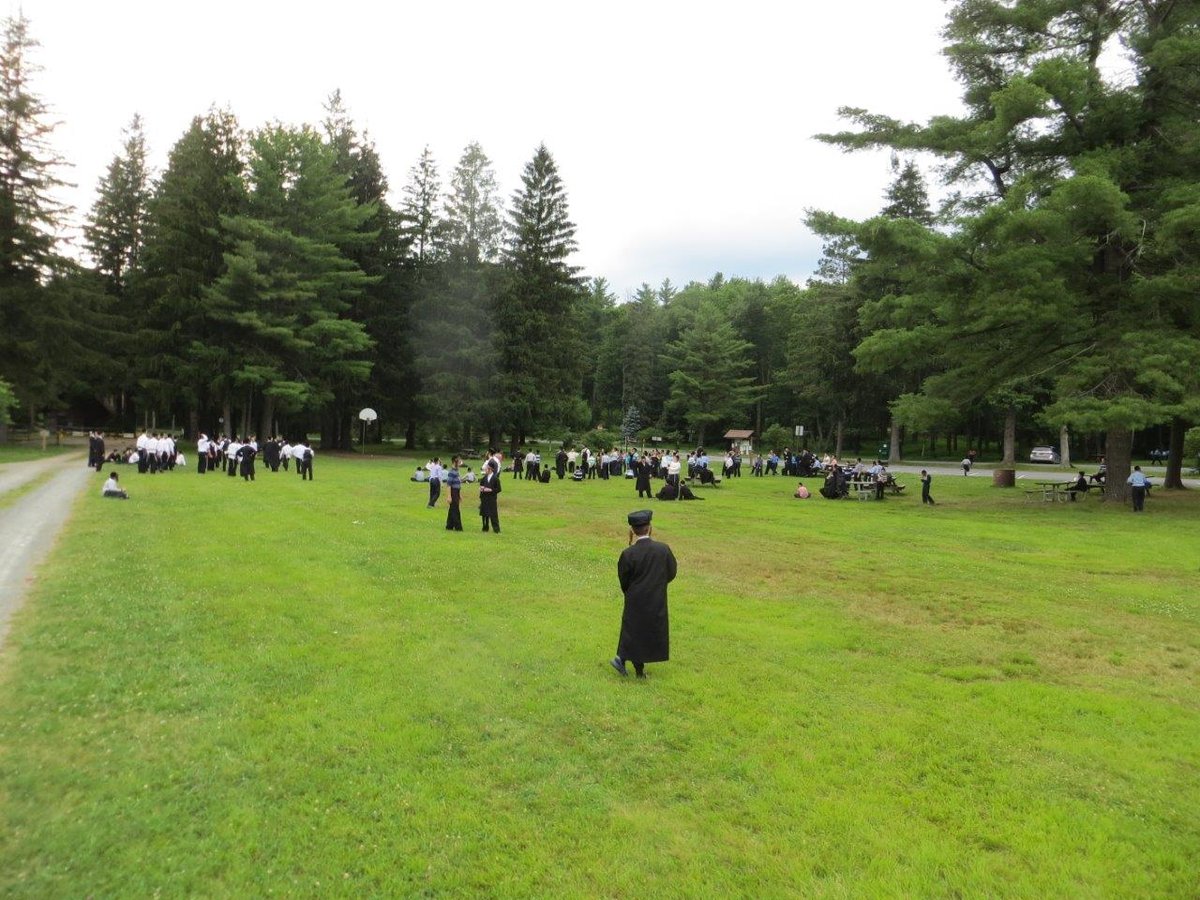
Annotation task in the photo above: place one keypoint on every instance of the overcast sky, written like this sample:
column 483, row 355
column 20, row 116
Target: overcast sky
column 682, row 130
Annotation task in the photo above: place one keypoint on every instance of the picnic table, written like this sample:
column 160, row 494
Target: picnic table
column 1048, row 491
column 1054, row 491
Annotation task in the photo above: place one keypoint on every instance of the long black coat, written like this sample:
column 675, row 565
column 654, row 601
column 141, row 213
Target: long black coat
column 644, row 569
column 642, row 469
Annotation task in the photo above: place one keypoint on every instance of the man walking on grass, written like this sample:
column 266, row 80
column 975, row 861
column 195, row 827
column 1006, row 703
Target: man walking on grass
column 926, row 480
column 644, row 570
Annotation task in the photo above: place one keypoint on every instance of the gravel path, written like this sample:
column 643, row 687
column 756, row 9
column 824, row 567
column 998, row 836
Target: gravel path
column 30, row 525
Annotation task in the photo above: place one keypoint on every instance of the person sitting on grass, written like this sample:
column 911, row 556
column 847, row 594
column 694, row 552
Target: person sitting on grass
column 113, row 489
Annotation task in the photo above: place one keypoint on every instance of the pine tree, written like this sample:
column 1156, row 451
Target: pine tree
column 709, row 384
column 279, row 304
column 631, row 424
column 29, row 218
column 384, row 306
column 1053, row 266
column 36, row 354
column 182, row 361
column 537, row 335
column 117, row 228
column 473, row 224
column 421, row 226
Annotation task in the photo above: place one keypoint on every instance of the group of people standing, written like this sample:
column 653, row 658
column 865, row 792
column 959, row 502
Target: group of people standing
column 236, row 456
column 489, row 488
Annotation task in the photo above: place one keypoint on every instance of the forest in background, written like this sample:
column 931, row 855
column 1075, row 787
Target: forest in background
column 263, row 282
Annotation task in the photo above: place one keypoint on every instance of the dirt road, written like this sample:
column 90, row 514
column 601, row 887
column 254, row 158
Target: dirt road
column 30, row 524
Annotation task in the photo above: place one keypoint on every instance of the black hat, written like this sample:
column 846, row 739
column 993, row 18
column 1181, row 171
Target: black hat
column 640, row 519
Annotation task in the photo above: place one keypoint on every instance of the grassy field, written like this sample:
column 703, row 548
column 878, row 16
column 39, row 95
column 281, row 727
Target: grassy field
column 224, row 688
column 28, row 452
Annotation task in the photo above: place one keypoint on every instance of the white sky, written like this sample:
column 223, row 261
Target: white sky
column 682, row 130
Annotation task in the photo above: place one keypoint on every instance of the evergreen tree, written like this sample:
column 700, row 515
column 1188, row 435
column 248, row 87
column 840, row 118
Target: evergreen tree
column 1051, row 270
column 182, row 361
column 384, row 306
column 537, row 334
column 29, row 218
column 117, row 228
column 709, row 381
column 31, row 358
column 454, row 330
column 473, row 223
column 631, row 424
column 421, row 226
column 907, row 196
column 280, row 302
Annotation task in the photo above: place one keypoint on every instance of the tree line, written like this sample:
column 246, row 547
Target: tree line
column 264, row 282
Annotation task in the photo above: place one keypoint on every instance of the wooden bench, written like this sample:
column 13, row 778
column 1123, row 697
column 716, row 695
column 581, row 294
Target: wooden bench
column 864, row 490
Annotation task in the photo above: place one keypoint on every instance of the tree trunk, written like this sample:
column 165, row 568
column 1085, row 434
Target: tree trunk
column 1118, row 457
column 1009, row 459
column 1064, row 446
column 268, row 413
column 837, row 450
column 193, row 423
column 227, row 418
column 894, row 442
column 1174, row 479
column 247, row 415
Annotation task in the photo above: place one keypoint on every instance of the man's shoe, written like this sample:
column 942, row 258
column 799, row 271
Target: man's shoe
column 619, row 664
column 641, row 674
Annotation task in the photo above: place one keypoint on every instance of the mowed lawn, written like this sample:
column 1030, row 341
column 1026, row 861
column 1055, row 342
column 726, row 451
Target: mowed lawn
column 234, row 689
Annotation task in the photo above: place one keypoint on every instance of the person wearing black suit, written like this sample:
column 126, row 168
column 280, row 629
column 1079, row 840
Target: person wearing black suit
column 489, row 489
column 641, row 470
column 644, row 569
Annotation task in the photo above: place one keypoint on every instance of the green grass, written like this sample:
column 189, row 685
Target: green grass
column 222, row 688
column 10, row 453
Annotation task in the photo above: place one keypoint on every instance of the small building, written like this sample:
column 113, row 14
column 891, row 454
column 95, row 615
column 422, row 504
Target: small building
column 741, row 441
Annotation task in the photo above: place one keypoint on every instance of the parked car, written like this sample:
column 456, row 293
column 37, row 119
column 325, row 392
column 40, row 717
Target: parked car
column 1045, row 455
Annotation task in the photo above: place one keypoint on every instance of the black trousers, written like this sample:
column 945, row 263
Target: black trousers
column 490, row 513
column 454, row 514
column 435, row 490
column 1139, row 498
column 201, row 462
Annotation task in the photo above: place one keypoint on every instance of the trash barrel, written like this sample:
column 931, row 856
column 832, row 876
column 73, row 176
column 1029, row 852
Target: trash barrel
column 1004, row 477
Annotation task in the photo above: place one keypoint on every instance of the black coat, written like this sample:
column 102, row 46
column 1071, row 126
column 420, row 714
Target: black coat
column 644, row 569
column 487, row 499
column 643, row 475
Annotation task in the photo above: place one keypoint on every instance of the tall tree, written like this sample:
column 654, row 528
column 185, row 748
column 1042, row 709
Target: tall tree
column 286, row 285
column 709, row 376
column 422, row 225
column 474, row 226
column 117, row 226
column 29, row 217
column 30, row 357
column 454, row 328
column 384, row 305
column 1047, row 272
column 537, row 334
column 182, row 361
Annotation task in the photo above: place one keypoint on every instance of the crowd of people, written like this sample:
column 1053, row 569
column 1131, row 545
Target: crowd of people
column 155, row 452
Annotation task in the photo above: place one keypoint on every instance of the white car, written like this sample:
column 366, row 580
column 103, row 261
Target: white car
column 1044, row 455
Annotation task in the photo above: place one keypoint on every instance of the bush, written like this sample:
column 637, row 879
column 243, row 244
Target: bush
column 8, row 402
column 1191, row 445
column 775, row 437
column 602, row 439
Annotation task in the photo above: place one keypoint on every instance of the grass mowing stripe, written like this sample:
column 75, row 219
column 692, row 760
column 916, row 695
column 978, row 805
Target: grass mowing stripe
column 9, row 497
